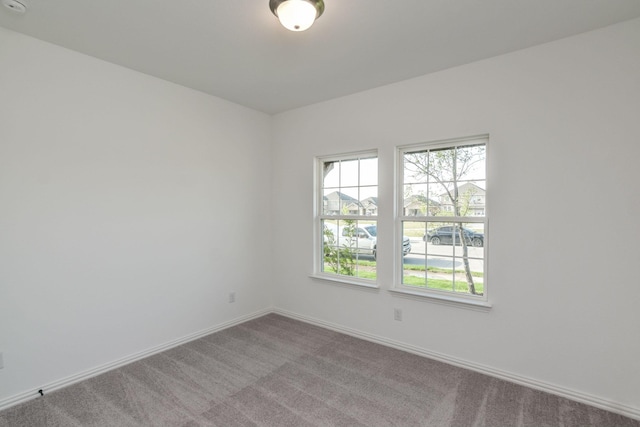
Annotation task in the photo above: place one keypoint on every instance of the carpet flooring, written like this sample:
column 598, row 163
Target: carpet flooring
column 275, row 371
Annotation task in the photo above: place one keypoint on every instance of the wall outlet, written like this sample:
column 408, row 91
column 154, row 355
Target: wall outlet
column 1, row 361
column 232, row 297
column 397, row 314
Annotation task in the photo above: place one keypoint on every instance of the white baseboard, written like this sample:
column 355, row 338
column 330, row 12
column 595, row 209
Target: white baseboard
column 577, row 396
column 32, row 394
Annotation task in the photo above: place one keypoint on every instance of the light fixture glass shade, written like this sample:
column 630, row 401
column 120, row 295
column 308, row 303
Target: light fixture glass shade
column 297, row 15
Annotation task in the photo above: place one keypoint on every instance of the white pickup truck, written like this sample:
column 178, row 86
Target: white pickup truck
column 365, row 239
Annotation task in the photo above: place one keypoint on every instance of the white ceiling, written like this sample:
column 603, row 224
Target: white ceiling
column 237, row 50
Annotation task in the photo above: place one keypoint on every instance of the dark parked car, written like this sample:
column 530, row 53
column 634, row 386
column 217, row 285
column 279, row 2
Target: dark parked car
column 444, row 236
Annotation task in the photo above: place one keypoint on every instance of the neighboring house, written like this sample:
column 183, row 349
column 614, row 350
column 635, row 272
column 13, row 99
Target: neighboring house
column 337, row 203
column 418, row 204
column 471, row 197
column 370, row 206
column 471, row 200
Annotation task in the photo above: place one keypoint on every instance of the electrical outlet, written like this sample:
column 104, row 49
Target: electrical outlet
column 1, row 361
column 232, row 297
column 397, row 314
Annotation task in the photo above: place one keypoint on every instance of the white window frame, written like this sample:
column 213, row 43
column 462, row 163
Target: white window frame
column 319, row 216
column 479, row 302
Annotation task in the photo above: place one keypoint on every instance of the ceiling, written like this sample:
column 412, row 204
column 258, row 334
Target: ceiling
column 237, row 50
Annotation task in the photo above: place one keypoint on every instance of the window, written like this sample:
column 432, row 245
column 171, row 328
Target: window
column 449, row 229
column 346, row 218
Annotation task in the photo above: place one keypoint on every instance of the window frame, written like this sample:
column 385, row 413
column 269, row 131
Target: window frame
column 319, row 216
column 465, row 300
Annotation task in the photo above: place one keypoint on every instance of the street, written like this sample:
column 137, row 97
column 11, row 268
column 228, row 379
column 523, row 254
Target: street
column 441, row 256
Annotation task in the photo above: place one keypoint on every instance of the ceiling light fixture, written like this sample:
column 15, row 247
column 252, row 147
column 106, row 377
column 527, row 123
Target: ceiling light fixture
column 297, row 15
column 14, row 5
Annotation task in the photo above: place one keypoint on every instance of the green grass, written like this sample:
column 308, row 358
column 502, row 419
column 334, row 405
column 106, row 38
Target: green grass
column 363, row 274
column 415, row 267
column 370, row 274
column 432, row 283
column 442, row 284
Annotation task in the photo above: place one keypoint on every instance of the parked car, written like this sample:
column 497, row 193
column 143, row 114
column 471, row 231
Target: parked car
column 445, row 236
column 366, row 239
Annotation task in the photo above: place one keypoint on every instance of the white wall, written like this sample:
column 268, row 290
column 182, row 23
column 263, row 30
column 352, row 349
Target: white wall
column 564, row 123
column 127, row 204
column 127, row 209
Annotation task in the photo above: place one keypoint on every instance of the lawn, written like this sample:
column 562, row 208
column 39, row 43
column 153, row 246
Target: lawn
column 442, row 284
column 366, row 270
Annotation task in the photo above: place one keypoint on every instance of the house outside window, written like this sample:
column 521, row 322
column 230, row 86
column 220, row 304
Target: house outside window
column 346, row 218
column 448, row 227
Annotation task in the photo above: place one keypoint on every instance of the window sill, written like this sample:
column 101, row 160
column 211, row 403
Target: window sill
column 465, row 303
column 371, row 286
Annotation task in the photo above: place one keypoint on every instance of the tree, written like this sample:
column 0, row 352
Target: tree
column 341, row 258
column 446, row 168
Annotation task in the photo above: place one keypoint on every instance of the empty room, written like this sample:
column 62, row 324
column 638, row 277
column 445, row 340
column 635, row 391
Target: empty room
column 192, row 193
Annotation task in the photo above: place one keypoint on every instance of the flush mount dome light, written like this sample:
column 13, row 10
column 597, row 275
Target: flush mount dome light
column 14, row 5
column 297, row 15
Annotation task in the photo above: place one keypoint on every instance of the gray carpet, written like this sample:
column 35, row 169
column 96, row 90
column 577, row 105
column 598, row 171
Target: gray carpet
column 275, row 371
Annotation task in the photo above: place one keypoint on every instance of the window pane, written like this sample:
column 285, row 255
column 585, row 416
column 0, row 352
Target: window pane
column 342, row 193
column 442, row 165
column 369, row 200
column 444, row 236
column 369, row 171
column 329, row 232
column 349, row 170
column 413, row 259
column 442, row 196
column 444, row 171
column 470, row 162
column 415, row 167
column 473, row 234
column 349, row 201
column 471, row 267
column 331, row 175
column 416, row 202
column 439, row 237
column 415, row 231
column 350, row 248
column 366, row 239
column 471, row 198
column 440, row 273
column 439, row 259
column 441, row 183
column 331, row 202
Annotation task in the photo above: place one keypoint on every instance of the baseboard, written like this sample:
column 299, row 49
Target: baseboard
column 577, row 396
column 33, row 394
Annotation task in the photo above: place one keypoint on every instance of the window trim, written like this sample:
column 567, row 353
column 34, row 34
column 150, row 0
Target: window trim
column 479, row 302
column 318, row 216
column 450, row 300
